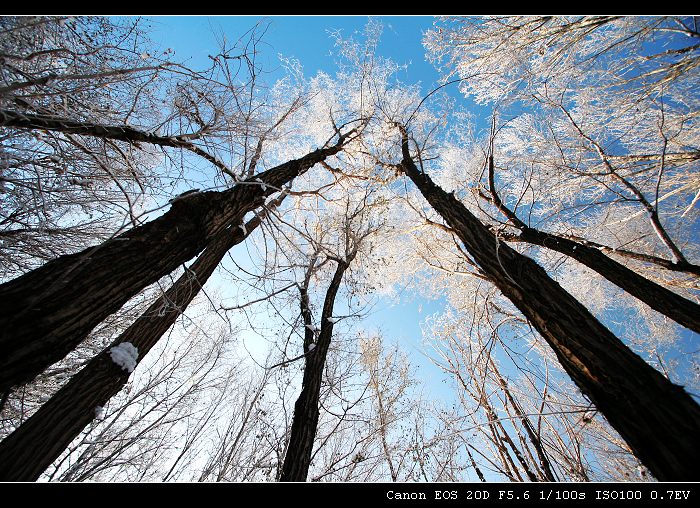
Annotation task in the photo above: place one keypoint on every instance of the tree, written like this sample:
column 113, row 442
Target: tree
column 98, row 280
column 574, row 159
column 152, row 429
column 680, row 309
column 40, row 335
column 353, row 229
column 636, row 399
column 27, row 452
column 60, row 191
column 249, row 194
column 548, row 73
column 518, row 413
column 567, row 180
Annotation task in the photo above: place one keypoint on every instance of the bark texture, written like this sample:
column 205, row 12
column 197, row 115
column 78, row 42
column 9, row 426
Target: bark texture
column 306, row 409
column 45, row 313
column 681, row 310
column 37, row 443
column 658, row 419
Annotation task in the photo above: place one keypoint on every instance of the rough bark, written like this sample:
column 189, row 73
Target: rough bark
column 658, row 419
column 681, row 310
column 39, row 441
column 689, row 268
column 306, row 409
column 48, row 311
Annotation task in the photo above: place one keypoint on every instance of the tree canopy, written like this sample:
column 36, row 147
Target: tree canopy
column 193, row 259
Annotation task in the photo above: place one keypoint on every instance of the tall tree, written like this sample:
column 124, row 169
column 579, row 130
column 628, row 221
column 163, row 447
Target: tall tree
column 349, row 233
column 665, row 301
column 27, row 452
column 197, row 123
column 638, row 401
column 595, row 160
column 306, row 409
column 48, row 311
column 60, row 192
column 599, row 145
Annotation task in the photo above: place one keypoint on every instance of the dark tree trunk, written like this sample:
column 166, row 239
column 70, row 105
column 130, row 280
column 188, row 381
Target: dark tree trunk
column 37, row 443
column 659, row 421
column 306, row 409
column 45, row 313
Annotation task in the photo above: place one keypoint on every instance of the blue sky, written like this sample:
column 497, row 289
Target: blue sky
column 303, row 37
column 307, row 39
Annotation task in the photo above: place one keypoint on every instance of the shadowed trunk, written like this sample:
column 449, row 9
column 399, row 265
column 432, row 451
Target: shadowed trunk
column 305, row 421
column 45, row 313
column 38, row 442
column 659, row 421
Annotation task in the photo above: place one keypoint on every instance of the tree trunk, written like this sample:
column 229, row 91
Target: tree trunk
column 658, row 420
column 306, row 413
column 48, row 311
column 37, row 443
